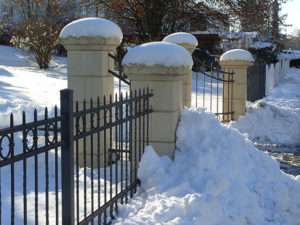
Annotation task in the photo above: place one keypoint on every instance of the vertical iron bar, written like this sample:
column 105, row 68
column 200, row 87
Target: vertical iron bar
column 84, row 160
column 116, row 146
column 121, row 144
column 228, row 97
column 56, row 170
column 46, row 167
column 12, row 143
column 67, row 167
column 77, row 164
column 135, row 135
column 110, row 152
column 92, row 159
column 223, row 97
column 144, row 107
column 98, row 156
column 147, row 117
column 130, row 142
column 126, row 148
column 24, row 172
column 232, row 96
column 140, row 138
column 105, row 163
column 36, row 188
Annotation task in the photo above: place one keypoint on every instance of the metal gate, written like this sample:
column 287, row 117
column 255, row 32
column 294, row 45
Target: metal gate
column 212, row 89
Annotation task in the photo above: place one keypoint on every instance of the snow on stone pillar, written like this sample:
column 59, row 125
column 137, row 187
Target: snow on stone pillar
column 237, row 61
column 161, row 67
column 189, row 42
column 88, row 42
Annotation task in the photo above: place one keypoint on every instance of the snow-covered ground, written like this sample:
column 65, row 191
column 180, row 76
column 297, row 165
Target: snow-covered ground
column 276, row 118
column 217, row 177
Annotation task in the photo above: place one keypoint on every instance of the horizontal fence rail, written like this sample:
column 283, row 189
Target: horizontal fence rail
column 213, row 90
column 73, row 168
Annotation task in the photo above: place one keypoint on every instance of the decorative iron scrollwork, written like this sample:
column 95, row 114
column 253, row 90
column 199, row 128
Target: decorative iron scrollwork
column 10, row 145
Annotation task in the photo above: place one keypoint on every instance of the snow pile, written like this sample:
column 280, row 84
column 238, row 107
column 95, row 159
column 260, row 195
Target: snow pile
column 260, row 45
column 217, row 177
column 158, row 53
column 276, row 118
column 237, row 54
column 181, row 38
column 92, row 27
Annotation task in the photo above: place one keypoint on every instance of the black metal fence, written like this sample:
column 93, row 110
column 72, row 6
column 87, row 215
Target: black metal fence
column 213, row 89
column 54, row 173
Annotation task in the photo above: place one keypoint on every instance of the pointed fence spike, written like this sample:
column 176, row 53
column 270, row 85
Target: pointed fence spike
column 24, row 117
column 11, row 120
column 35, row 115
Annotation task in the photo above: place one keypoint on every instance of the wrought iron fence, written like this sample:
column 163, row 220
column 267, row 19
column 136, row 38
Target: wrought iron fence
column 48, row 181
column 213, row 90
column 118, row 73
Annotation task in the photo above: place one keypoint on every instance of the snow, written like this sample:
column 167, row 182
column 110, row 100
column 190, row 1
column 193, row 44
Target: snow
column 217, row 177
column 24, row 87
column 181, row 38
column 276, row 118
column 237, row 54
column 92, row 27
column 289, row 54
column 158, row 53
column 260, row 45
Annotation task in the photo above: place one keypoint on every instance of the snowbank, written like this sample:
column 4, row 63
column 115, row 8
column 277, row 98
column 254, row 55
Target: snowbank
column 276, row 118
column 181, row 38
column 158, row 53
column 237, row 54
column 217, row 177
column 91, row 27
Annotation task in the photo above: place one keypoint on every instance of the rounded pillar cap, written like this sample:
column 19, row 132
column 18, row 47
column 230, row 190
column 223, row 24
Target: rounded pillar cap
column 158, row 55
column 183, row 39
column 91, row 31
column 237, row 57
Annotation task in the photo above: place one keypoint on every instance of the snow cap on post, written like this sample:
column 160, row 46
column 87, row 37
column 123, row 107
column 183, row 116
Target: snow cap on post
column 158, row 55
column 91, row 31
column 236, row 57
column 183, row 39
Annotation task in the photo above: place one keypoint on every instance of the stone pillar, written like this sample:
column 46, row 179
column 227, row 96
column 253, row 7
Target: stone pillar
column 161, row 67
column 189, row 42
column 88, row 42
column 236, row 61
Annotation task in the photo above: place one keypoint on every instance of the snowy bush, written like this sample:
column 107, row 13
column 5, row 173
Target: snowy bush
column 38, row 37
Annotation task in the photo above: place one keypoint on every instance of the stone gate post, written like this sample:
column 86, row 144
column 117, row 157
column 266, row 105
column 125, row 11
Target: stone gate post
column 88, row 42
column 161, row 67
column 236, row 61
column 189, row 42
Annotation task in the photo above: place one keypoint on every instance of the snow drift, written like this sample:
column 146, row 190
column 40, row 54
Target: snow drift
column 217, row 177
column 276, row 118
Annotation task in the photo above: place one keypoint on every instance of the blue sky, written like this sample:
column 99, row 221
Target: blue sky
column 292, row 8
